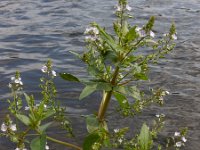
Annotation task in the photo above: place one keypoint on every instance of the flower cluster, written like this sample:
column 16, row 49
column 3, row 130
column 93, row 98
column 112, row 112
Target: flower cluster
column 46, row 69
column 142, row 33
column 8, row 127
column 180, row 139
column 92, row 34
column 121, row 8
column 16, row 82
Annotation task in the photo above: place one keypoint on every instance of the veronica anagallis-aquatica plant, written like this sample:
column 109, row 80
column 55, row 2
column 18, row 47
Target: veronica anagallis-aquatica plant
column 116, row 63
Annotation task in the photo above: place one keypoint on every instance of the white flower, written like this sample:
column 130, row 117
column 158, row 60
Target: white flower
column 157, row 115
column 165, row 34
column 12, row 78
column 10, row 85
column 90, row 38
column 178, row 144
column 118, row 8
column 26, row 108
column 140, row 32
column 177, row 134
column 44, row 69
column 184, row 139
column 120, row 140
column 93, row 30
column 47, row 147
column 13, row 127
column 116, row 130
column 128, row 8
column 152, row 34
column 174, row 37
column 53, row 73
column 4, row 127
column 167, row 92
column 138, row 29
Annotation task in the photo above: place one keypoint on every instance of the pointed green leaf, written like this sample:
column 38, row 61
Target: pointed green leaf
column 90, row 140
column 38, row 143
column 145, row 139
column 89, row 89
column 23, row 119
column 104, row 86
column 69, row 77
column 131, row 35
column 120, row 98
column 134, row 92
column 92, row 123
column 45, row 126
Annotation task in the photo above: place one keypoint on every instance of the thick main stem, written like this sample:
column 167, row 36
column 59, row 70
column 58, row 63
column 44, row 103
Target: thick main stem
column 106, row 97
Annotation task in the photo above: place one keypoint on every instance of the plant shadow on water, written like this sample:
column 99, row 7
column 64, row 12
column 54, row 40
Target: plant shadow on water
column 31, row 32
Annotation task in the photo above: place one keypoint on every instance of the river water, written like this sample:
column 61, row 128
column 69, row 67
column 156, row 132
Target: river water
column 31, row 31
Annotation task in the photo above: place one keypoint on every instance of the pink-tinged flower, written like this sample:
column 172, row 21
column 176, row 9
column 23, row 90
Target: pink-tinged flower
column 177, row 134
column 44, row 69
column 13, row 127
column 184, row 139
column 140, row 31
column 4, row 127
column 178, row 144
column 92, row 30
column 53, row 73
column 174, row 37
column 152, row 34
column 128, row 8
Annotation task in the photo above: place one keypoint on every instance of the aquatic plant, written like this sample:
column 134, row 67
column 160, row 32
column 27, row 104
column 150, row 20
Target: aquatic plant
column 116, row 65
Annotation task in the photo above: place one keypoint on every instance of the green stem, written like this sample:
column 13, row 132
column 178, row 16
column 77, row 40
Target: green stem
column 64, row 143
column 106, row 97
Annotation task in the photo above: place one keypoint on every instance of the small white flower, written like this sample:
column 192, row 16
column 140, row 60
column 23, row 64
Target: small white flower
column 4, row 127
column 184, row 139
column 167, row 92
column 116, row 130
column 94, row 30
column 138, row 29
column 53, row 73
column 152, row 34
column 47, row 147
column 10, row 85
column 128, row 8
column 13, row 127
column 90, row 38
column 12, row 78
column 26, row 108
column 17, row 148
column 178, row 144
column 118, row 8
column 45, row 106
column 157, row 115
column 17, row 81
column 174, row 37
column 20, row 82
column 165, row 34
column 44, row 69
column 120, row 140
column 177, row 134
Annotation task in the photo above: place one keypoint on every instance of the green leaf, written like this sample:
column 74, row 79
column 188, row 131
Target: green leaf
column 48, row 113
column 92, row 123
column 104, row 86
column 38, row 143
column 141, row 76
column 90, row 140
column 69, row 77
column 145, row 139
column 120, row 98
column 131, row 35
column 109, row 40
column 134, row 92
column 45, row 126
column 27, row 98
column 89, row 89
column 23, row 119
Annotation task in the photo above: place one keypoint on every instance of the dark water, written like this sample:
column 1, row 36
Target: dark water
column 31, row 31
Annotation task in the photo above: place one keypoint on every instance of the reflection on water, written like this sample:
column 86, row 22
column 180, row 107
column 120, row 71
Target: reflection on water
column 32, row 31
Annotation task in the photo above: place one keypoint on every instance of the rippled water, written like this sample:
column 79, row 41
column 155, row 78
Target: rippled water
column 33, row 31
